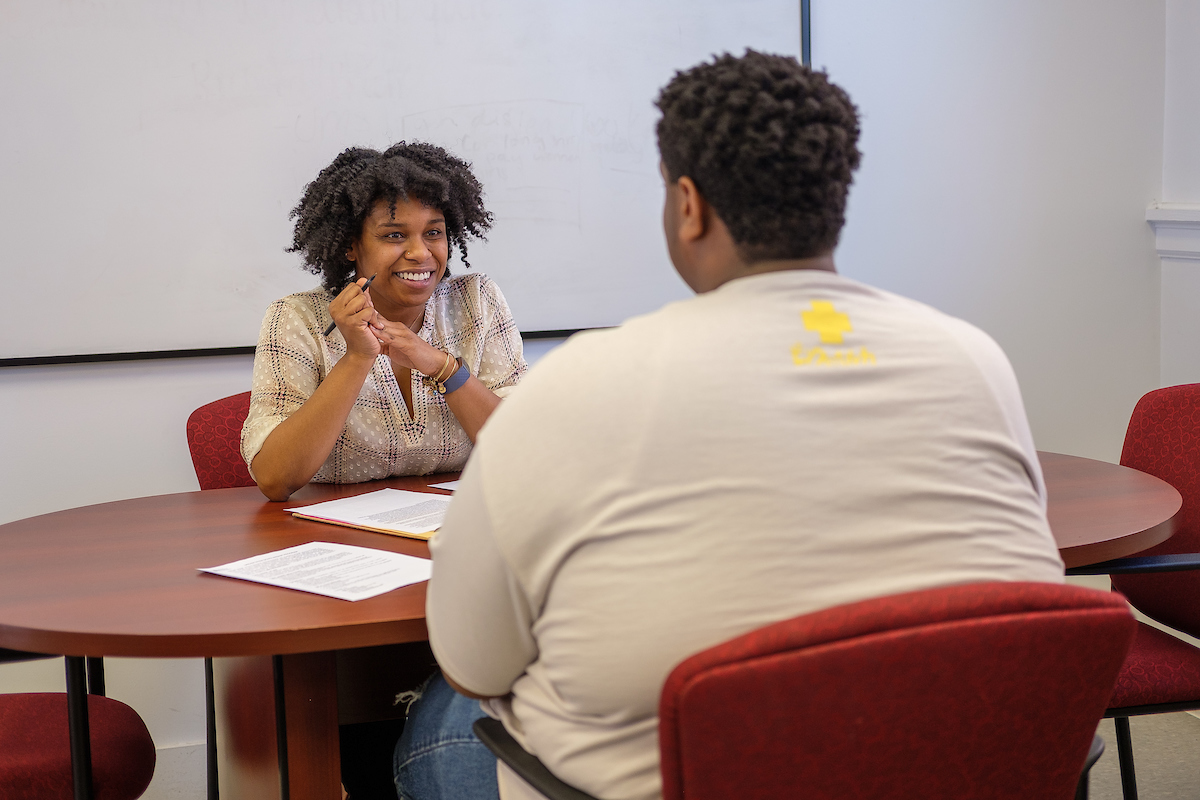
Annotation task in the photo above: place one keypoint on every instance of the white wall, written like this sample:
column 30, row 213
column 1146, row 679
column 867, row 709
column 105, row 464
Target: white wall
column 1181, row 137
column 1010, row 151
column 1181, row 186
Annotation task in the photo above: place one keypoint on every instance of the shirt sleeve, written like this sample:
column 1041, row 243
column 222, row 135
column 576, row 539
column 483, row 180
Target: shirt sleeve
column 480, row 625
column 997, row 371
column 502, row 357
column 286, row 374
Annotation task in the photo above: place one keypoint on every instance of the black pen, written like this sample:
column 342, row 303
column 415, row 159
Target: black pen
column 333, row 325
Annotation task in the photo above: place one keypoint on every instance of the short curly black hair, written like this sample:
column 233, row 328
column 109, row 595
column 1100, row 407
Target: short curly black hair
column 330, row 215
column 770, row 144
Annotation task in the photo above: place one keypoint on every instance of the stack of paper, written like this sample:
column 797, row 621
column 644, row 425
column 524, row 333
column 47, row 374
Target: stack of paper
column 413, row 514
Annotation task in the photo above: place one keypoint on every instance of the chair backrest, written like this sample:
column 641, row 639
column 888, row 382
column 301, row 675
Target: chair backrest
column 1163, row 439
column 989, row 690
column 214, row 433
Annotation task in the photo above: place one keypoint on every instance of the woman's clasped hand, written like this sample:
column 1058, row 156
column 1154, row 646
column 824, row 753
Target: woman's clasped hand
column 369, row 333
column 354, row 316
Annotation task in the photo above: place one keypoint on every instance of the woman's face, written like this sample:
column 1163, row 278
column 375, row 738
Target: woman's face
column 406, row 252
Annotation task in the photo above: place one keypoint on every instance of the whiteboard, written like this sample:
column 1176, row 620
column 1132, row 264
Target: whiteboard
column 152, row 149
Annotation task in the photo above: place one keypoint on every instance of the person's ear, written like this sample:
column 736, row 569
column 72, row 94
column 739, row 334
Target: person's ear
column 693, row 211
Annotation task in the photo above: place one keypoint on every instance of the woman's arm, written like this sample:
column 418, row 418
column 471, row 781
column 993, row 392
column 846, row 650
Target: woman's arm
column 472, row 404
column 299, row 445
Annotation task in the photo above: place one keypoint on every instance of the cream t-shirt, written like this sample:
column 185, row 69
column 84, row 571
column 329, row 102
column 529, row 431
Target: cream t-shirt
column 788, row 442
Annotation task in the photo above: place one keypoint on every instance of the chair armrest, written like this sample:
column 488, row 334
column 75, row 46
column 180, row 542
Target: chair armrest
column 1176, row 562
column 492, row 733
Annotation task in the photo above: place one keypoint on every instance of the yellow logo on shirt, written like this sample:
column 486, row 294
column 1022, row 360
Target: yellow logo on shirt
column 830, row 324
column 827, row 321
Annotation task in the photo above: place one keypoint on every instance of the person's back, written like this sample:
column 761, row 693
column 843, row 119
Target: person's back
column 788, row 440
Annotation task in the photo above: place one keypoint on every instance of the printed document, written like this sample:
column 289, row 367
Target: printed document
column 334, row 570
column 413, row 514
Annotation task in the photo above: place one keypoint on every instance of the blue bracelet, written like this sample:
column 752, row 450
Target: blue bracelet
column 456, row 381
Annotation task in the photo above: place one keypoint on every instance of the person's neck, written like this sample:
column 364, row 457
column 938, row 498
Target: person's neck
column 735, row 267
column 412, row 317
column 823, row 262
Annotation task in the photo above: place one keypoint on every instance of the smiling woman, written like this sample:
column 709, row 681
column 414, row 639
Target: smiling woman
column 415, row 363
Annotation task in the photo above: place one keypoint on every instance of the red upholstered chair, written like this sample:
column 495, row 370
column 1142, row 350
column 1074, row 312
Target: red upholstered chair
column 214, row 434
column 1162, row 673
column 989, row 690
column 55, row 745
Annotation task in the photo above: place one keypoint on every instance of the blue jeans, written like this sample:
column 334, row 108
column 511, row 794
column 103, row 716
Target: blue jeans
column 438, row 756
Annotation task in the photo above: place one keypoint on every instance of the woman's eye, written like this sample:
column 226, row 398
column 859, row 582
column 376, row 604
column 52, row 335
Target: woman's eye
column 434, row 234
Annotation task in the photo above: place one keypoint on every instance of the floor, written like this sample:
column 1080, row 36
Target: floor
column 1165, row 750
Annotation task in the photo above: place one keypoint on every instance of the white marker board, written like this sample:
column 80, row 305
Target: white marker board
column 152, row 149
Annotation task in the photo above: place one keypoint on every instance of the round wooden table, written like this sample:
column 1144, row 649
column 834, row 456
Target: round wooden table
column 1100, row 511
column 120, row 579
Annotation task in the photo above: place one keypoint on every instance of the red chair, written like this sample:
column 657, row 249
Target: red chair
column 214, row 433
column 55, row 745
column 989, row 690
column 1162, row 673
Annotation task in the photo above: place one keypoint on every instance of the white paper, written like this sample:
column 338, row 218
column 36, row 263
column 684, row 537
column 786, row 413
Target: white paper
column 334, row 570
column 385, row 509
column 451, row 485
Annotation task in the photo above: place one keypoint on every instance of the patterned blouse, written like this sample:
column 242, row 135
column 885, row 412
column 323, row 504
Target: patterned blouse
column 467, row 317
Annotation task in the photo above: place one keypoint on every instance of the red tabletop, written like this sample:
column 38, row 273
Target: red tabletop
column 120, row 578
column 1100, row 511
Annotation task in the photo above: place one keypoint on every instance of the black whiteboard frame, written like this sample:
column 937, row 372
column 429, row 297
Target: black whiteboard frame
column 206, row 352
column 805, row 34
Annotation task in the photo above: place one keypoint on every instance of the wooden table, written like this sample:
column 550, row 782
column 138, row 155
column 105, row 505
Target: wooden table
column 1100, row 511
column 120, row 579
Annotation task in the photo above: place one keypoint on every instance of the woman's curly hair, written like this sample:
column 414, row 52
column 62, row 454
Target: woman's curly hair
column 330, row 215
column 770, row 144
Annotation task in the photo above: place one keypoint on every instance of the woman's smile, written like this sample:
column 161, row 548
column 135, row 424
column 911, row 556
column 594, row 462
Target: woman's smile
column 408, row 243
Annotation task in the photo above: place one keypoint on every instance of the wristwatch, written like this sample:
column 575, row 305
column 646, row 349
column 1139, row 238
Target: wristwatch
column 453, row 383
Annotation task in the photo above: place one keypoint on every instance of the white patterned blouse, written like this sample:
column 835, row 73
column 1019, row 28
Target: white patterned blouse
column 467, row 317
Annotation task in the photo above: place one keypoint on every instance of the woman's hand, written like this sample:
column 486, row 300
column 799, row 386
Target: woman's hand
column 405, row 349
column 294, row 452
column 352, row 312
column 471, row 404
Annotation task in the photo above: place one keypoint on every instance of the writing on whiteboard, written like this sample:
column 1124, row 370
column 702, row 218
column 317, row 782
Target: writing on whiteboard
column 528, row 154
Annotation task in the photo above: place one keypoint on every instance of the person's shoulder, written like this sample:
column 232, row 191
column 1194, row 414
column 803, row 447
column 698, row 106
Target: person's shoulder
column 305, row 303
column 288, row 318
column 953, row 334
column 962, row 333
column 471, row 282
column 909, row 309
column 602, row 356
column 474, row 289
column 303, row 309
